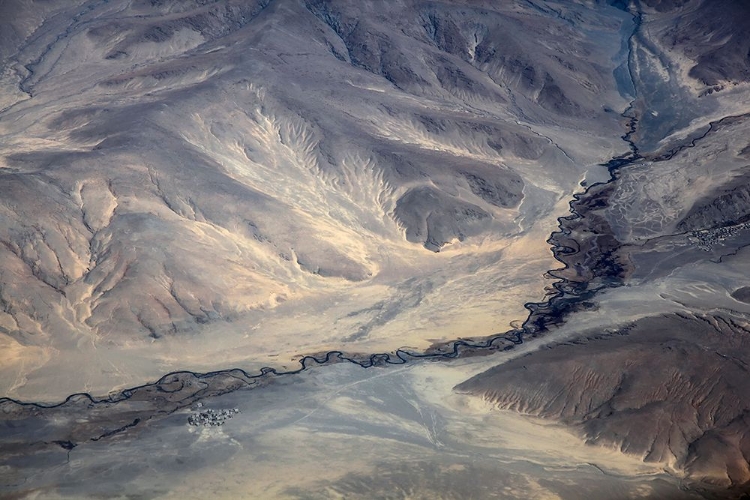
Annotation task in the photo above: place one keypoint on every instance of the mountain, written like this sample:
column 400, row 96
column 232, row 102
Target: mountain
column 203, row 184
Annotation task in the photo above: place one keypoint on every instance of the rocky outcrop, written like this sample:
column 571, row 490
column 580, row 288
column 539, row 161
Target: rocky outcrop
column 670, row 389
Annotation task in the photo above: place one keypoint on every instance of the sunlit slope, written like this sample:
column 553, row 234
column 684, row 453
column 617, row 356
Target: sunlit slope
column 190, row 186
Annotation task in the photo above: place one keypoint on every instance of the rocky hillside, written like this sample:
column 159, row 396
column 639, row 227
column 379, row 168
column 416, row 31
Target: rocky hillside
column 671, row 389
column 192, row 184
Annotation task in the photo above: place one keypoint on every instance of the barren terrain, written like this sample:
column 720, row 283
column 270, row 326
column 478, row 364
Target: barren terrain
column 463, row 249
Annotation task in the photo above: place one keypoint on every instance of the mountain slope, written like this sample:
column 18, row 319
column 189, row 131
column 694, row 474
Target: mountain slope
column 192, row 185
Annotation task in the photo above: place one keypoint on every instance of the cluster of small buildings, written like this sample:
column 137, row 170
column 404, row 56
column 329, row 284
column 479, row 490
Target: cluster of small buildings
column 209, row 417
column 707, row 238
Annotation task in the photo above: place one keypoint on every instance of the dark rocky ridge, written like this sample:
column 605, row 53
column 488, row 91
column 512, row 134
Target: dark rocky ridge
column 742, row 294
column 729, row 205
column 710, row 33
column 671, row 389
column 434, row 219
